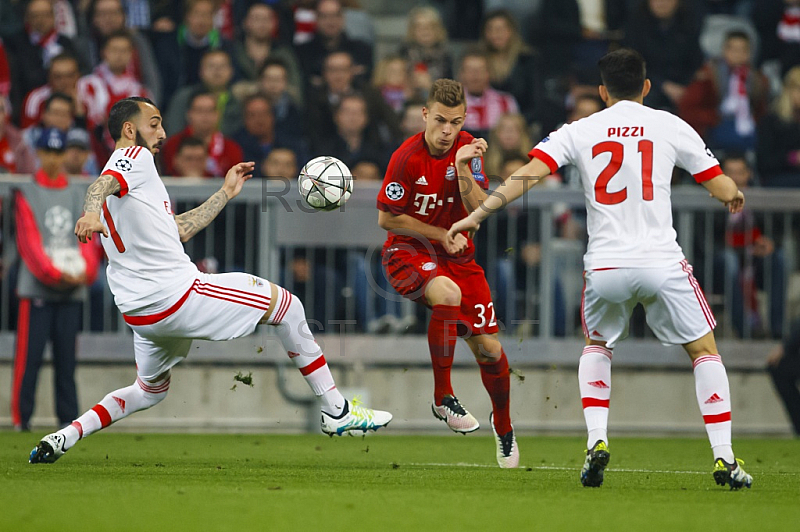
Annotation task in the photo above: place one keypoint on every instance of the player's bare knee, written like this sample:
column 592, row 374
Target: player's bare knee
column 486, row 349
column 445, row 291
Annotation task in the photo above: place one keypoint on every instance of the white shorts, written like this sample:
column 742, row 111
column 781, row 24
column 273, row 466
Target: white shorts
column 675, row 306
column 217, row 307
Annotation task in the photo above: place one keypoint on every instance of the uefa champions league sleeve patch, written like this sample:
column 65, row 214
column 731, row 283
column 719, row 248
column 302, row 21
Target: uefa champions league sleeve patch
column 124, row 165
column 395, row 191
column 477, row 165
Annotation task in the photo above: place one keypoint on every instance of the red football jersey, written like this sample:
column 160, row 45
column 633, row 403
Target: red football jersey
column 425, row 187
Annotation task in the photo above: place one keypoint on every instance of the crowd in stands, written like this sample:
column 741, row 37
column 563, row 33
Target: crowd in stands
column 280, row 81
column 250, row 76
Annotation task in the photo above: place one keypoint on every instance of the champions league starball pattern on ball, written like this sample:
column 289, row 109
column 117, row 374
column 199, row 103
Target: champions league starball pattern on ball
column 325, row 183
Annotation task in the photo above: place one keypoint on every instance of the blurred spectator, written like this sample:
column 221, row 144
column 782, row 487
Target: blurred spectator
column 280, row 163
column 463, row 18
column 202, row 119
column 556, row 31
column 89, row 94
column 512, row 66
column 65, row 22
column 117, row 53
column 783, row 365
column 5, row 72
column 512, row 163
column 338, row 78
column 305, row 21
column 750, row 260
column 778, row 137
column 411, row 119
column 485, row 105
column 15, row 156
column 31, row 49
column 357, row 22
column 584, row 105
column 727, row 97
column 425, row 48
column 778, row 26
column 328, row 38
column 258, row 136
column 273, row 82
column 190, row 158
column 106, row 17
column 52, row 282
column 392, row 79
column 509, row 138
column 12, row 14
column 352, row 141
column 157, row 16
column 666, row 33
column 256, row 45
column 59, row 113
column 78, row 157
column 216, row 74
column 180, row 52
column 366, row 170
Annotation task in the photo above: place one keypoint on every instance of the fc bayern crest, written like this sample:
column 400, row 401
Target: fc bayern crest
column 124, row 164
column 477, row 165
column 395, row 191
column 451, row 173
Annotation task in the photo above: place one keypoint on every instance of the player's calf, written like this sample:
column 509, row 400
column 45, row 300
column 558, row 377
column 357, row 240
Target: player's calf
column 117, row 405
column 338, row 415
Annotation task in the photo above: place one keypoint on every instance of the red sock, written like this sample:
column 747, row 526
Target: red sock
column 496, row 380
column 442, row 338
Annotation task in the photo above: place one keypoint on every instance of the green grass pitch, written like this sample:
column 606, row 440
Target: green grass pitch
column 120, row 482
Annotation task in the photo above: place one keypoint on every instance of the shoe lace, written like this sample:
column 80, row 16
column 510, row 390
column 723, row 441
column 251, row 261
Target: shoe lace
column 452, row 404
column 507, row 443
column 359, row 411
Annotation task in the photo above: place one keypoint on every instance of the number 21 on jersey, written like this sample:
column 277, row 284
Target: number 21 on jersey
column 617, row 151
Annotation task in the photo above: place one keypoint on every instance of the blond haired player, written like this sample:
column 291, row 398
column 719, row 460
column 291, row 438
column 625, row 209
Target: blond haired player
column 626, row 155
column 166, row 300
column 435, row 178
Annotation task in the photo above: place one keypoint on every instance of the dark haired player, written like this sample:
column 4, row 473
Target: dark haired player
column 433, row 179
column 626, row 155
column 166, row 300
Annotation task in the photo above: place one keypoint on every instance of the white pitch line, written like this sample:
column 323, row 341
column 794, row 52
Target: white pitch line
column 552, row 468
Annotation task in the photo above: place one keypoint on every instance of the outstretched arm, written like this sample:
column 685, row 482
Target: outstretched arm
column 403, row 224
column 192, row 222
column 725, row 190
column 512, row 188
column 90, row 223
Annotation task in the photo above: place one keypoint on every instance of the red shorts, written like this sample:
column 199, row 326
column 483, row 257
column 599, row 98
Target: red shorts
column 409, row 270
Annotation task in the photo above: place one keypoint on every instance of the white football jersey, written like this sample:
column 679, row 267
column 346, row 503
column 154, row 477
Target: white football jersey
column 146, row 260
column 626, row 154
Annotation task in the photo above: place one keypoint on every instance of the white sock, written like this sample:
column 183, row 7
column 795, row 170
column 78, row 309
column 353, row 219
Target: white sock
column 115, row 406
column 289, row 319
column 594, row 376
column 714, row 399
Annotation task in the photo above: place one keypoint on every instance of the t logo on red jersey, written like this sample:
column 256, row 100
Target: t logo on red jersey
column 423, row 201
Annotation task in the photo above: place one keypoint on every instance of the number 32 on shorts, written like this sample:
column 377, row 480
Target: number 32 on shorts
column 482, row 310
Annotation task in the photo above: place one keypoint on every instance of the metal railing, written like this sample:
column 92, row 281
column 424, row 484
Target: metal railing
column 531, row 254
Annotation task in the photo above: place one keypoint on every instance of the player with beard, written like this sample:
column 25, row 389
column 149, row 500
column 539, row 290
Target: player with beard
column 163, row 297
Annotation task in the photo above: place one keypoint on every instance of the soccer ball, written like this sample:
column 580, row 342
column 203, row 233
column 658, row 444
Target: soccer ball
column 325, row 183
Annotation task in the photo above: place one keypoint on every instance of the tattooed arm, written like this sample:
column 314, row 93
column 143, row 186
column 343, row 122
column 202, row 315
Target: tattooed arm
column 192, row 222
column 90, row 223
